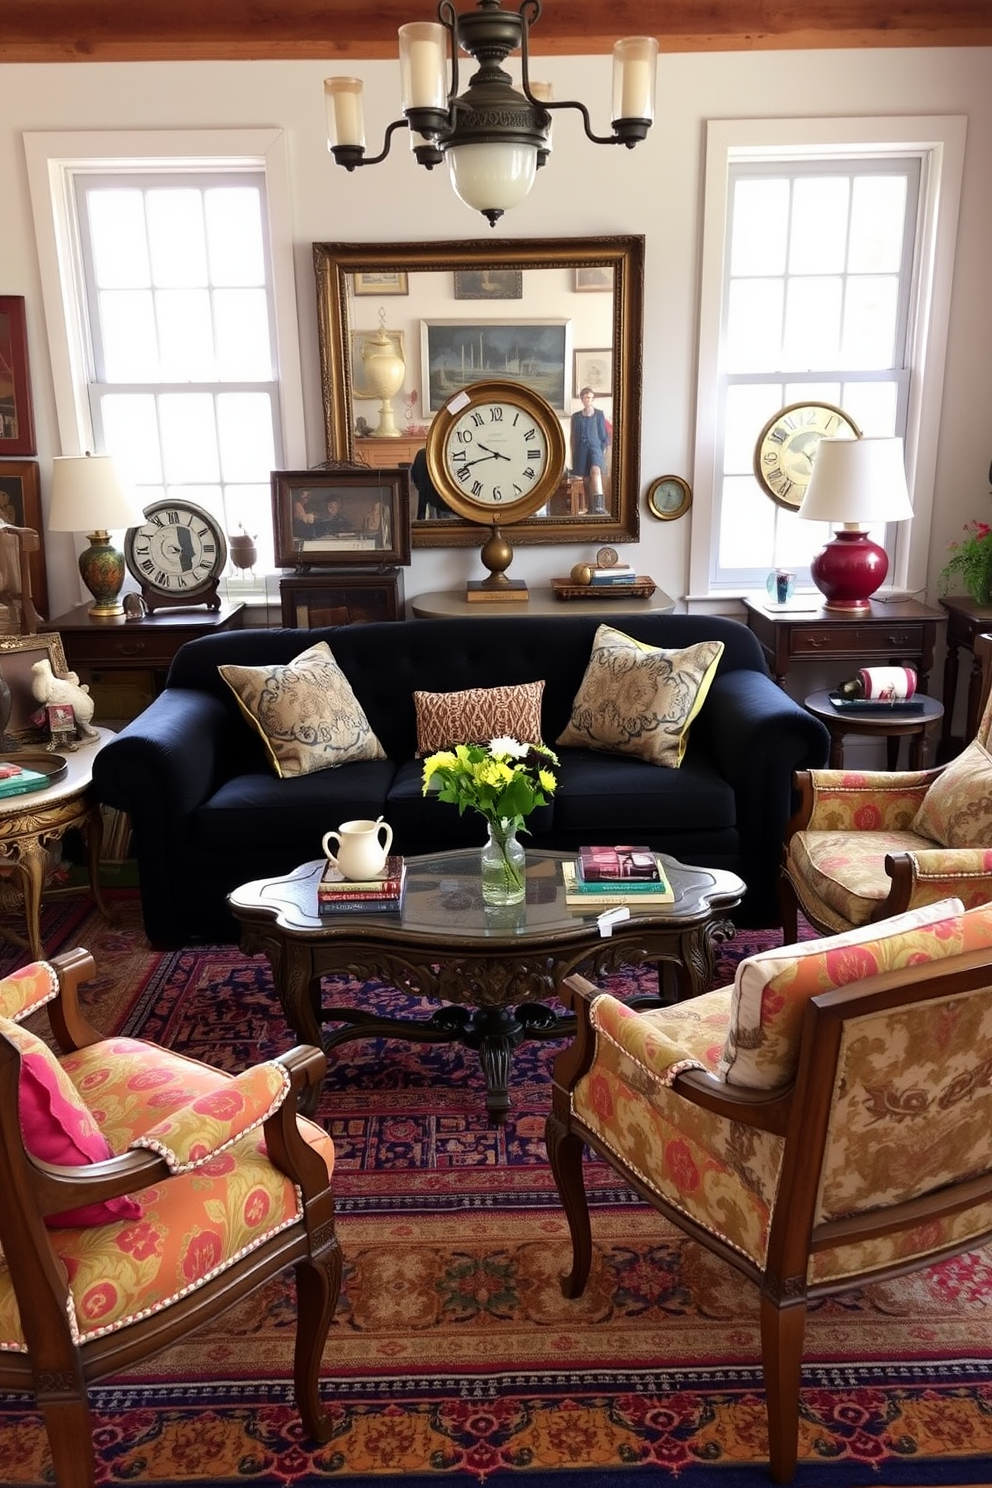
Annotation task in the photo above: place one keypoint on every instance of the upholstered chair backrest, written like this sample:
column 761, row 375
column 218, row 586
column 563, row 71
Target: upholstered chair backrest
column 772, row 988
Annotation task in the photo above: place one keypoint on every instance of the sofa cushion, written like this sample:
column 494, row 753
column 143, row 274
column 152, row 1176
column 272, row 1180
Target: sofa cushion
column 618, row 795
column 957, row 809
column 639, row 699
column 256, row 811
column 477, row 715
column 58, row 1126
column 305, row 711
column 772, row 988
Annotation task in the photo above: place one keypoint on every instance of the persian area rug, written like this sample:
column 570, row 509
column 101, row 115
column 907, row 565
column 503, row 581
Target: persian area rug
column 454, row 1360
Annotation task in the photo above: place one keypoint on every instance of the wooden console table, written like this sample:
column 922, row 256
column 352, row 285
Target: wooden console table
column 966, row 620
column 452, row 604
column 902, row 631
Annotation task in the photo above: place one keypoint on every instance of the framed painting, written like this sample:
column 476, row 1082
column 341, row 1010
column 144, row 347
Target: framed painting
column 16, row 415
column 593, row 279
column 20, row 506
column 342, row 518
column 456, row 353
column 18, row 654
column 489, row 284
column 384, row 282
column 594, row 369
column 360, row 387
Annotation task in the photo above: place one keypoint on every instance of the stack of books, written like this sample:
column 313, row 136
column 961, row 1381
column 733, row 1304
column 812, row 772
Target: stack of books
column 339, row 895
column 16, row 780
column 603, row 876
column 620, row 573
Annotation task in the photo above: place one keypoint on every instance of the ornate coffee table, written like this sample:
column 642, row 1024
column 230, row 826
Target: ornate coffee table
column 492, row 967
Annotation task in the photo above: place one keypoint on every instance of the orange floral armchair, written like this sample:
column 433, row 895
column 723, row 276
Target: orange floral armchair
column 821, row 1123
column 865, row 845
column 143, row 1193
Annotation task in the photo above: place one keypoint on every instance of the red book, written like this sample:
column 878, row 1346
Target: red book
column 617, row 864
column 335, row 889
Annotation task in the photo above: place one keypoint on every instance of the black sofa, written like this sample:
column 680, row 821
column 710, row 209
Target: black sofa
column 208, row 813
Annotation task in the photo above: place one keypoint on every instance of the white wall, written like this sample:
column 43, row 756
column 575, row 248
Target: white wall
column 654, row 190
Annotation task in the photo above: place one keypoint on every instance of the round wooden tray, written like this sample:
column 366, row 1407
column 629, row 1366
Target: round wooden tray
column 55, row 766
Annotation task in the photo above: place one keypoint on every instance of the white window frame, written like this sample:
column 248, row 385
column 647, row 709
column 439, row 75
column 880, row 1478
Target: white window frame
column 53, row 159
column 938, row 142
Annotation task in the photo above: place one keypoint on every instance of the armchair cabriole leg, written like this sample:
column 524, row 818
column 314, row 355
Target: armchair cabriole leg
column 565, row 1157
column 69, row 1428
column 318, row 1284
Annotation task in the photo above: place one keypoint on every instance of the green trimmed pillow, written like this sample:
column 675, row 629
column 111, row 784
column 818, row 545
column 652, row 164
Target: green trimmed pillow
column 957, row 809
column 305, row 712
column 639, row 699
column 477, row 715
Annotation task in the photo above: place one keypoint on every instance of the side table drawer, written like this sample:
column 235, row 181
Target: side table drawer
column 122, row 648
column 856, row 640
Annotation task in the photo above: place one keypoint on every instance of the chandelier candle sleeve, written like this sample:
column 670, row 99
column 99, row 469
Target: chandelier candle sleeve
column 422, row 58
column 345, row 121
column 635, row 61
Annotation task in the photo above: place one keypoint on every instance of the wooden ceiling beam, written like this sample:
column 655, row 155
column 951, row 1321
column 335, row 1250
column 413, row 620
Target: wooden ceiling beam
column 241, row 30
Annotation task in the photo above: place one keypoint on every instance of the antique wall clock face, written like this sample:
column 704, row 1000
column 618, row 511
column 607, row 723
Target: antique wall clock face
column 496, row 452
column 177, row 555
column 783, row 454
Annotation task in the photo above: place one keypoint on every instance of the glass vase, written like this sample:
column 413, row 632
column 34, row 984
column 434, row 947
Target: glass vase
column 503, row 861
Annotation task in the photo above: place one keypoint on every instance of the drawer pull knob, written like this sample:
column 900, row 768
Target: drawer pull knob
column 817, row 641
column 135, row 648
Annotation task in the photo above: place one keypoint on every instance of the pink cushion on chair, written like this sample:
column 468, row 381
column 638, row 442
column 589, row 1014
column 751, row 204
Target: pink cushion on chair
column 58, row 1127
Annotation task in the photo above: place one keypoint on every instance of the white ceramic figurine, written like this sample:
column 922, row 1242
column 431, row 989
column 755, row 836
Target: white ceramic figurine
column 47, row 687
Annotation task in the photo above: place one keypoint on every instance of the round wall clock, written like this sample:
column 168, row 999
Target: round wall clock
column 496, row 452
column 177, row 555
column 668, row 497
column 783, row 454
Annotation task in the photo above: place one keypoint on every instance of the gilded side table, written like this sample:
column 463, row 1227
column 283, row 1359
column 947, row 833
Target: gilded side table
column 29, row 822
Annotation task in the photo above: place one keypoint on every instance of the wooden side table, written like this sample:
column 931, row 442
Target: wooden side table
column 890, row 725
column 30, row 821
column 903, row 632
column 966, row 620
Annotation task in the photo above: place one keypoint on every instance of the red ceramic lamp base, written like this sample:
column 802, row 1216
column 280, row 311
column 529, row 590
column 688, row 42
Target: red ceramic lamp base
column 848, row 571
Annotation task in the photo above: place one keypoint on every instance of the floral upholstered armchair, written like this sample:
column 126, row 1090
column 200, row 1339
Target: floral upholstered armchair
column 865, row 845
column 216, row 1186
column 821, row 1123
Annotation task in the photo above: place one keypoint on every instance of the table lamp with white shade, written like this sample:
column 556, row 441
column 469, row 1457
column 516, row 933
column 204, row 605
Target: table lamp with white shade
column 89, row 496
column 856, row 483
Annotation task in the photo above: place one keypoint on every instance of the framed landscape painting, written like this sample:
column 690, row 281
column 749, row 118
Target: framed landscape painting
column 16, row 414
column 456, row 353
column 384, row 282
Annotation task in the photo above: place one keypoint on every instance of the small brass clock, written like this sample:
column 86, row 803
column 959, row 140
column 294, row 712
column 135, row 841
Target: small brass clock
column 496, row 453
column 783, row 453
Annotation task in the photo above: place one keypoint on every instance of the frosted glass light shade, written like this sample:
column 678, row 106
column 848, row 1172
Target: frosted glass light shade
column 860, row 481
column 635, row 67
column 89, row 496
column 492, row 177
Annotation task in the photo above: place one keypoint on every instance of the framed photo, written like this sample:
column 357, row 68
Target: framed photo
column 359, row 339
column 18, row 655
column 16, row 415
column 594, row 369
column 342, row 518
column 20, row 506
column 456, row 353
column 489, row 284
column 594, row 279
column 382, row 282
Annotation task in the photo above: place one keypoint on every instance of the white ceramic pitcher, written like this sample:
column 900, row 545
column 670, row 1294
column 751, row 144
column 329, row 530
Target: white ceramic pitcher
column 361, row 852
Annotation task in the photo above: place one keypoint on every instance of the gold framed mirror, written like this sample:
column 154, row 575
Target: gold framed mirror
column 545, row 311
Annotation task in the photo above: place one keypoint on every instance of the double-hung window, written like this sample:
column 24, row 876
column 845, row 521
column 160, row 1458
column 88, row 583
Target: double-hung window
column 824, row 245
column 168, row 297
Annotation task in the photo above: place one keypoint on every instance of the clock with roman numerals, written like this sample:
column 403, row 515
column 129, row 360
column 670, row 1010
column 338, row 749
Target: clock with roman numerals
column 177, row 555
column 783, row 454
column 496, row 452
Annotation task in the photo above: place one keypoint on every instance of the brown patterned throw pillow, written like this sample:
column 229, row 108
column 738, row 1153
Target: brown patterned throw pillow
column 477, row 715
column 639, row 699
column 957, row 809
column 305, row 711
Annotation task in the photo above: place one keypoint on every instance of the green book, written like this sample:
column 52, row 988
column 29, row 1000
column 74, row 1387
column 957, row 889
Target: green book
column 23, row 781
column 591, row 896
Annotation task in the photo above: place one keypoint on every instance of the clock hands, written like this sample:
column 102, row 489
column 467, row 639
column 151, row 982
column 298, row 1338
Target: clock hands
column 492, row 454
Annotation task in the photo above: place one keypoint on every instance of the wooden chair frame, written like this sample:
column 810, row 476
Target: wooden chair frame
column 57, row 1370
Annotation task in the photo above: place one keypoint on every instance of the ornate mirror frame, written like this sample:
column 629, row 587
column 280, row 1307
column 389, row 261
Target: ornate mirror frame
column 338, row 266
